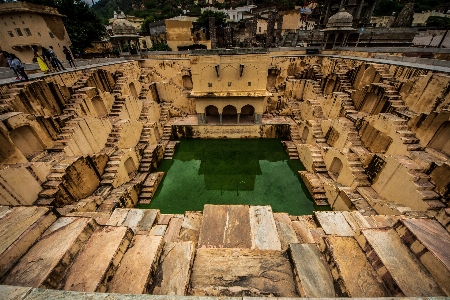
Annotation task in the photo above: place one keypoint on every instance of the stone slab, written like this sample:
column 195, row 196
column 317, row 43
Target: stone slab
column 137, row 266
column 263, row 229
column 225, row 226
column 28, row 225
column 98, row 260
column 172, row 276
column 286, row 232
column 164, row 219
column 101, row 217
column 190, row 229
column 148, row 219
column 46, row 262
column 173, row 230
column 158, row 230
column 334, row 223
column 9, row 292
column 238, row 272
column 430, row 242
column 350, row 269
column 313, row 277
column 303, row 231
column 395, row 263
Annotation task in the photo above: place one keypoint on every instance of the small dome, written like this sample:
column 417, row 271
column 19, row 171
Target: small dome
column 341, row 19
column 123, row 27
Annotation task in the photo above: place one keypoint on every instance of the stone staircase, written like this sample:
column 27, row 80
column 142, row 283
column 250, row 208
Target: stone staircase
column 149, row 187
column 169, row 151
column 226, row 250
column 291, row 149
column 314, row 184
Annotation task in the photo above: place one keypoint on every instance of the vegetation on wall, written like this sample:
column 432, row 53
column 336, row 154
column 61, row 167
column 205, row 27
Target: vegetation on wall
column 393, row 7
column 440, row 22
column 220, row 18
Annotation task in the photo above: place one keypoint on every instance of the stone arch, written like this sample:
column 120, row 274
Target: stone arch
column 187, row 82
column 133, row 90
column 440, row 140
column 247, row 114
column 369, row 102
column 229, row 115
column 99, row 106
column 212, row 114
column 26, row 140
column 336, row 167
column 329, row 86
column 130, row 167
column 305, row 133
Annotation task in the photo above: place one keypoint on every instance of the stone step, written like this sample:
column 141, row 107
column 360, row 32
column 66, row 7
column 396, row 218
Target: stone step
column 353, row 275
column 333, row 222
column 286, row 233
column 225, row 226
column 140, row 261
column 395, row 264
column 430, row 243
column 135, row 219
column 173, row 230
column 28, row 224
column 264, row 233
column 242, row 272
column 312, row 275
column 190, row 228
column 47, row 261
column 92, row 269
column 173, row 273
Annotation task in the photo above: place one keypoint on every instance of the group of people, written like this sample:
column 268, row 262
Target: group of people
column 49, row 62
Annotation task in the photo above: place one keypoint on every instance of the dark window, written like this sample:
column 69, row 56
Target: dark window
column 27, row 31
column 23, row 22
column 18, row 31
column 10, row 34
column 249, row 83
column 39, row 34
column 229, row 83
column 51, row 35
column 209, row 84
column 14, row 23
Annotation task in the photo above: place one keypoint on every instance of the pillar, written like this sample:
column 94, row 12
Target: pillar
column 220, row 117
column 239, row 116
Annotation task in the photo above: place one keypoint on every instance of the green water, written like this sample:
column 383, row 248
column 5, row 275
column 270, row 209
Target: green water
column 231, row 171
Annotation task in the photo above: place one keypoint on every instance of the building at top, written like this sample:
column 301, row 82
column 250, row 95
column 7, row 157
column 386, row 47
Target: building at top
column 26, row 25
column 124, row 35
column 338, row 30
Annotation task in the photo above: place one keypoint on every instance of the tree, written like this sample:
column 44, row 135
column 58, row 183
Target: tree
column 82, row 24
column 203, row 20
column 144, row 26
column 441, row 22
column 160, row 47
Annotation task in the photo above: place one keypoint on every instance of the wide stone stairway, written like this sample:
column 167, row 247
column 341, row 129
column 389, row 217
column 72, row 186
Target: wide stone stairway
column 226, row 250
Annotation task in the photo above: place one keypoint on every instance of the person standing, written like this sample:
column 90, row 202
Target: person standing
column 55, row 61
column 68, row 56
column 18, row 66
column 9, row 60
column 42, row 65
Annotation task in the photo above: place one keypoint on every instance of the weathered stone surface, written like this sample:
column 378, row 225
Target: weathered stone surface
column 164, row 219
column 225, row 226
column 263, row 229
column 137, row 266
column 158, row 230
column 172, row 276
column 173, row 230
column 101, row 217
column 353, row 275
column 28, row 224
column 396, row 264
column 46, row 262
column 333, row 222
column 303, row 231
column 430, row 242
column 313, row 278
column 135, row 219
column 238, row 272
column 91, row 269
column 190, row 229
column 14, row 292
column 286, row 232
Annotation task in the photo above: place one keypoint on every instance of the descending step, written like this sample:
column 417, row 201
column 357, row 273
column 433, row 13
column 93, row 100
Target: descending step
column 46, row 262
column 172, row 276
column 135, row 219
column 173, row 230
column 313, row 278
column 430, row 243
column 149, row 187
column 138, row 265
column 225, row 226
column 286, row 233
column 263, row 229
column 242, row 272
column 353, row 275
column 395, row 264
column 333, row 222
column 190, row 229
column 92, row 268
column 29, row 224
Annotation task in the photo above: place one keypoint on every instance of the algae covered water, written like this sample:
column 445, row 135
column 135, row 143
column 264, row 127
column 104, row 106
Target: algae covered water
column 231, row 171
